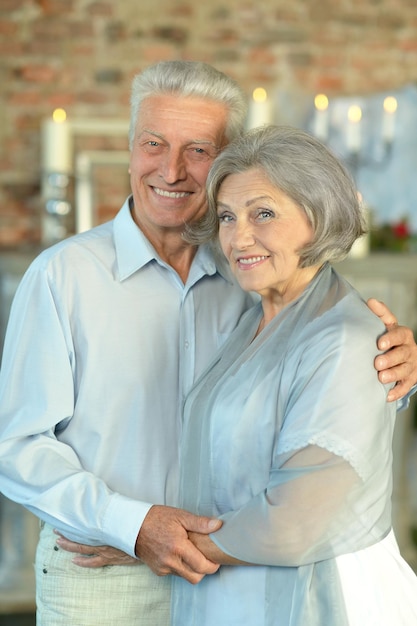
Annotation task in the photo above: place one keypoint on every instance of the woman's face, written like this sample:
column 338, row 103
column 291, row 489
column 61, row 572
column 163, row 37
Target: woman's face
column 261, row 230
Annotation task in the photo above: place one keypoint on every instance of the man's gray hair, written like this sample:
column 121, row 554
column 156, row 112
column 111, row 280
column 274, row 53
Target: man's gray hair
column 189, row 78
column 308, row 173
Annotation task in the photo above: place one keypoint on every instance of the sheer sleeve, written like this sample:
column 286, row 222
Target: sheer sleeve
column 309, row 512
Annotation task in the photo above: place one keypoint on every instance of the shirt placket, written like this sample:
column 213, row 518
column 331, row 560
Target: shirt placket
column 187, row 344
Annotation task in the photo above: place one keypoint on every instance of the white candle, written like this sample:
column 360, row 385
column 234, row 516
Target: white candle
column 260, row 109
column 321, row 122
column 388, row 121
column 57, row 143
column 353, row 133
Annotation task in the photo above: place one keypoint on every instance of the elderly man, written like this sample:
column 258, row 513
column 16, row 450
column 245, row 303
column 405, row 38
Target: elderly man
column 108, row 331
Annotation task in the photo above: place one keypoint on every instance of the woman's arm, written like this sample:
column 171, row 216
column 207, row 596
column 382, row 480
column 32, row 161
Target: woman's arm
column 212, row 552
column 299, row 518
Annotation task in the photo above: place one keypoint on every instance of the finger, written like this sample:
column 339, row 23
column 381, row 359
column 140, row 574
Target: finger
column 103, row 560
column 194, row 560
column 396, row 336
column 397, row 374
column 383, row 312
column 72, row 546
column 190, row 576
column 201, row 524
column 90, row 562
column 177, row 567
column 395, row 363
column 398, row 392
column 194, row 573
column 198, row 563
column 400, row 375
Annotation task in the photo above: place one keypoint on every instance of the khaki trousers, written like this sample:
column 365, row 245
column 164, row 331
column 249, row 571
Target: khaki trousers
column 109, row 596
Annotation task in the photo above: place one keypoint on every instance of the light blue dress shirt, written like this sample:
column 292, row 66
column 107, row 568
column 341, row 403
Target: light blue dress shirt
column 104, row 341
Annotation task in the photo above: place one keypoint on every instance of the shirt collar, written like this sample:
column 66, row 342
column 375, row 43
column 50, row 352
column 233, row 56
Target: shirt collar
column 134, row 251
column 212, row 257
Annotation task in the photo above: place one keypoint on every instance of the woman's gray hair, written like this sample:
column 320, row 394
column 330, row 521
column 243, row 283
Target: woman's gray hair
column 308, row 173
column 189, row 78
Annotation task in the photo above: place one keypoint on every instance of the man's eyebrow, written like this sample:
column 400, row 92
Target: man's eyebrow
column 204, row 142
column 151, row 132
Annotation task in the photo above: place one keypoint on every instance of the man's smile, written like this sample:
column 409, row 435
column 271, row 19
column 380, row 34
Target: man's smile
column 170, row 194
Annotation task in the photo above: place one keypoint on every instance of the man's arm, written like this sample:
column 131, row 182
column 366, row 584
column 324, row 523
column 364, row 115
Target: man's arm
column 163, row 544
column 399, row 363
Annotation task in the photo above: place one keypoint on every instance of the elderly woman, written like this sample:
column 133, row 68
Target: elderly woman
column 287, row 436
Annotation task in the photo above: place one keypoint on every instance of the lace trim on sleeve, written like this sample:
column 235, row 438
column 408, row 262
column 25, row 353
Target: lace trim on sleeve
column 333, row 444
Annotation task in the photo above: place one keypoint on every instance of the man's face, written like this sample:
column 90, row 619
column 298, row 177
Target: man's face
column 176, row 140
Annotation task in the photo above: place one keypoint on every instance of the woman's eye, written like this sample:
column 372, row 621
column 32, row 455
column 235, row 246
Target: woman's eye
column 264, row 214
column 224, row 218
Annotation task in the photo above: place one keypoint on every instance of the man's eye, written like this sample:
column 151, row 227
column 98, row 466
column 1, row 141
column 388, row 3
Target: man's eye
column 152, row 146
column 197, row 153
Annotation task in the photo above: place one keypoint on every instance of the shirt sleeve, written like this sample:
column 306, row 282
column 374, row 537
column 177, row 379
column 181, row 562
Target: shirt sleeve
column 37, row 399
column 404, row 402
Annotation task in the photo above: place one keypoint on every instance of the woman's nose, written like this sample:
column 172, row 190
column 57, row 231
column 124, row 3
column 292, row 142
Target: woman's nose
column 242, row 235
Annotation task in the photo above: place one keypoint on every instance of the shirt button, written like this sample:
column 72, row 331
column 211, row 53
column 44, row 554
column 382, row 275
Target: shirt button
column 186, row 345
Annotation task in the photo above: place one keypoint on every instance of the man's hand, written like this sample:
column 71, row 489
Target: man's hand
column 399, row 363
column 163, row 543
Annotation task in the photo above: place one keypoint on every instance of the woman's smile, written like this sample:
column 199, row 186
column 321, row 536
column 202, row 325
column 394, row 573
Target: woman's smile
column 246, row 263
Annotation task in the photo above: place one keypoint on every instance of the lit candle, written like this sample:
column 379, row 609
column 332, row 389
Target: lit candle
column 321, row 123
column 260, row 109
column 388, row 122
column 353, row 135
column 57, row 143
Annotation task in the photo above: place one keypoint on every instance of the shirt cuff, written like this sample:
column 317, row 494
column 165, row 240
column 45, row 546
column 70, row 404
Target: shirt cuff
column 122, row 522
column 404, row 402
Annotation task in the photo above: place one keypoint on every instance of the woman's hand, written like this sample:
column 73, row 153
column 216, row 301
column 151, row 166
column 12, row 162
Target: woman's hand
column 95, row 556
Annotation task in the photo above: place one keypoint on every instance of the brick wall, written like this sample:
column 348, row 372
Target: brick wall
column 82, row 54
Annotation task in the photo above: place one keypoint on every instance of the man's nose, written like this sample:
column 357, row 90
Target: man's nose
column 173, row 166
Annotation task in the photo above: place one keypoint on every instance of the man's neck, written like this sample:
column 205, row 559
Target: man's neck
column 169, row 244
column 179, row 257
